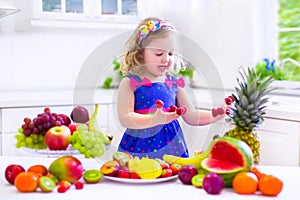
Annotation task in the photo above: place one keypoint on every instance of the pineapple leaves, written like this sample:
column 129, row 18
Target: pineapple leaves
column 250, row 99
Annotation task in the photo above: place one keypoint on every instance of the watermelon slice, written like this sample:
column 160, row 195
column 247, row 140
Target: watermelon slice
column 228, row 156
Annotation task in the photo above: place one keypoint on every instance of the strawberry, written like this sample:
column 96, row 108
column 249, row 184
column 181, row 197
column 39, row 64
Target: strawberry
column 134, row 175
column 166, row 173
column 65, row 183
column 62, row 189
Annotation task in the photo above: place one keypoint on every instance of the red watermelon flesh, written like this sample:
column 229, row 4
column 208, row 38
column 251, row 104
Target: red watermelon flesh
column 225, row 151
column 221, row 166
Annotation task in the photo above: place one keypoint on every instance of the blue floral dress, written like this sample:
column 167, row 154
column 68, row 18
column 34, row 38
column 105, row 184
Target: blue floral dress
column 155, row 141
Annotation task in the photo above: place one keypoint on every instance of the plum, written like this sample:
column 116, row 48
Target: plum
column 80, row 114
column 186, row 173
column 213, row 183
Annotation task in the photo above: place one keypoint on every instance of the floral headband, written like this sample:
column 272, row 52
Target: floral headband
column 151, row 26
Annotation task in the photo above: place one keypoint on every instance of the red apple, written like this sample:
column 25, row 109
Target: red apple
column 110, row 168
column 12, row 171
column 58, row 138
column 72, row 127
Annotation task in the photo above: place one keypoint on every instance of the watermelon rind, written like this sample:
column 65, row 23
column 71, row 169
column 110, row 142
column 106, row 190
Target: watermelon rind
column 221, row 162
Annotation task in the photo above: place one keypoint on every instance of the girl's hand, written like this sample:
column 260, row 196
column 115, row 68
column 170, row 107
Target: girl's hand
column 162, row 117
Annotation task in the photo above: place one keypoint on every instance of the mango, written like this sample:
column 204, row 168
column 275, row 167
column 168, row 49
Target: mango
column 66, row 168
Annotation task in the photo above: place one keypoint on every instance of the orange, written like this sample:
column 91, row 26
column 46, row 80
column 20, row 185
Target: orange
column 270, row 185
column 39, row 169
column 27, row 182
column 257, row 172
column 245, row 183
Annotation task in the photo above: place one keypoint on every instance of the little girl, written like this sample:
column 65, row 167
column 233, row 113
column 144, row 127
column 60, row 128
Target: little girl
column 150, row 99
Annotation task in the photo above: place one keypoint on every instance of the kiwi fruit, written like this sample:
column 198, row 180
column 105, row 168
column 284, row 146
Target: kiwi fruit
column 46, row 184
column 92, row 176
column 197, row 180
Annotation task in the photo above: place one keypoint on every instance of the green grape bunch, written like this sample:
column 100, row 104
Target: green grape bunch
column 88, row 143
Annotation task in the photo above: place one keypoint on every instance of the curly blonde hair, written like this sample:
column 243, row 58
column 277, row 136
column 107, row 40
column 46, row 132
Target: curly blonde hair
column 133, row 56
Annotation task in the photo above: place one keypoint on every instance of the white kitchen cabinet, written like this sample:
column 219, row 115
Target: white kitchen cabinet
column 279, row 142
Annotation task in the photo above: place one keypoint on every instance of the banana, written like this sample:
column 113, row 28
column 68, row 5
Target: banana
column 92, row 126
column 195, row 160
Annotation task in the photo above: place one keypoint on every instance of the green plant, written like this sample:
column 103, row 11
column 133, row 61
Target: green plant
column 289, row 36
column 109, row 80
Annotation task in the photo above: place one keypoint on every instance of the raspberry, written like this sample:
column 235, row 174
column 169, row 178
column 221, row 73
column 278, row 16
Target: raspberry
column 159, row 103
column 181, row 110
column 214, row 112
column 220, row 111
column 172, row 108
column 79, row 185
column 228, row 101
column 227, row 111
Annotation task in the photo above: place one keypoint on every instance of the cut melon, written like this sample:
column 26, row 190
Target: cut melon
column 228, row 156
column 220, row 166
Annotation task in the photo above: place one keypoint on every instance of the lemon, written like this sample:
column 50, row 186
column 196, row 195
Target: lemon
column 149, row 168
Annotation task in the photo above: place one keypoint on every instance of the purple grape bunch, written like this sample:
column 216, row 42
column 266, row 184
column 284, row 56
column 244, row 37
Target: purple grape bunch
column 43, row 122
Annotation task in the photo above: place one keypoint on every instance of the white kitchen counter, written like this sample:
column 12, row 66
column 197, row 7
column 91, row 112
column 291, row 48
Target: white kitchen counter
column 173, row 189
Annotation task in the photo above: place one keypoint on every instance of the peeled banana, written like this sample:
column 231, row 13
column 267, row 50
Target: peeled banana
column 195, row 160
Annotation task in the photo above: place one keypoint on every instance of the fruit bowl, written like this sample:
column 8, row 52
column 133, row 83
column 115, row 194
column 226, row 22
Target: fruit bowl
column 137, row 181
column 69, row 151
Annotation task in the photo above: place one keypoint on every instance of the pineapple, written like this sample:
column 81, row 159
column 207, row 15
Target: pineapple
column 249, row 107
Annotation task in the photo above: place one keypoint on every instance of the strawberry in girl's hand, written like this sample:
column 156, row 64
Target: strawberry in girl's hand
column 159, row 103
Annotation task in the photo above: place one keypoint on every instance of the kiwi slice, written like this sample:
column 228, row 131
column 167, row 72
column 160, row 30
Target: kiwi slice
column 92, row 176
column 197, row 180
column 121, row 157
column 46, row 184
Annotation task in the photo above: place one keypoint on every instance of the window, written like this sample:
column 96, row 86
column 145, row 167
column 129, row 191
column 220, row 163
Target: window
column 120, row 10
column 289, row 37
